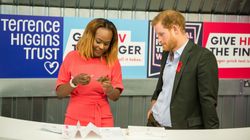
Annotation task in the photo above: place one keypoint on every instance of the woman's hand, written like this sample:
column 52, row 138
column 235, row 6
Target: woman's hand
column 111, row 92
column 82, row 79
column 106, row 84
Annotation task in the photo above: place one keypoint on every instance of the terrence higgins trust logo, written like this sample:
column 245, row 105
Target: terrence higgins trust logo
column 193, row 31
column 30, row 47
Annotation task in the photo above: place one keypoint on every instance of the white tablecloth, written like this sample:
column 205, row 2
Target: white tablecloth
column 16, row 129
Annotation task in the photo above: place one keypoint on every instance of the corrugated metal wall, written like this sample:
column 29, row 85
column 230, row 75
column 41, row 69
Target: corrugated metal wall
column 233, row 105
column 131, row 108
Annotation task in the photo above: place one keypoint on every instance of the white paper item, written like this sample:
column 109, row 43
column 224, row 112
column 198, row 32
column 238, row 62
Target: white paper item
column 91, row 131
column 79, row 132
column 68, row 132
column 112, row 133
column 146, row 131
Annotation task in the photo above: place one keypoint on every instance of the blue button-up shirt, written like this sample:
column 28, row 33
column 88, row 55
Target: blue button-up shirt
column 161, row 109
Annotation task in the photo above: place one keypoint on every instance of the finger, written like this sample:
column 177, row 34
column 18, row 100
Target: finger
column 103, row 78
column 148, row 114
column 84, row 80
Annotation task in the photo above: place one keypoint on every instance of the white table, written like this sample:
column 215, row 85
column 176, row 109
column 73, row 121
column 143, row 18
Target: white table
column 16, row 129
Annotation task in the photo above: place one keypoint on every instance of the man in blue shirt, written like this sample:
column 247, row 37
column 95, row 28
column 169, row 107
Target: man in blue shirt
column 186, row 92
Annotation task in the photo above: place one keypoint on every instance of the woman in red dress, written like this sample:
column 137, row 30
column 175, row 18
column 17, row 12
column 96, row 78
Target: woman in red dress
column 91, row 74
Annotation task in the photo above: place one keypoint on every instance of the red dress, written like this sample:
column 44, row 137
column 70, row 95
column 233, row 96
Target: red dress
column 88, row 103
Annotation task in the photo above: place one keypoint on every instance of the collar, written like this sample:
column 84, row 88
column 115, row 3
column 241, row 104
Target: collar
column 180, row 50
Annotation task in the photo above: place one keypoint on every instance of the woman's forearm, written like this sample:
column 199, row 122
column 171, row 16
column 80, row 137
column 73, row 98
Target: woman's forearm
column 64, row 90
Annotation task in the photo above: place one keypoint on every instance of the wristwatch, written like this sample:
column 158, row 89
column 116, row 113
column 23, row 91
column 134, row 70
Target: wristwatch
column 72, row 84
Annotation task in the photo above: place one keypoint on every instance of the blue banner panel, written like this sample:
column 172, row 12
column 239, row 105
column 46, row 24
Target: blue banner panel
column 132, row 35
column 31, row 46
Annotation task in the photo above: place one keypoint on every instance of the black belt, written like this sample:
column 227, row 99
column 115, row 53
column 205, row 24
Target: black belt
column 153, row 122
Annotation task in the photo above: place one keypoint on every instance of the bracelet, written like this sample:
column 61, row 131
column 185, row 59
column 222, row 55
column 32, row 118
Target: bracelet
column 72, row 84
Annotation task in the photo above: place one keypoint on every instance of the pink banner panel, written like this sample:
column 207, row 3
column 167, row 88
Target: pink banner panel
column 230, row 43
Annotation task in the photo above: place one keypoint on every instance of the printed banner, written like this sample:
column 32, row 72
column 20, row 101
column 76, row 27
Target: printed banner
column 31, row 46
column 34, row 46
column 230, row 43
column 194, row 33
column 132, row 35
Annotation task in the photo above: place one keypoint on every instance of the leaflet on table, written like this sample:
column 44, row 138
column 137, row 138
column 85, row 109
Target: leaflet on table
column 90, row 131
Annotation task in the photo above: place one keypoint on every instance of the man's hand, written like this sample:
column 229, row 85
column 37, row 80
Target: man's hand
column 150, row 109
